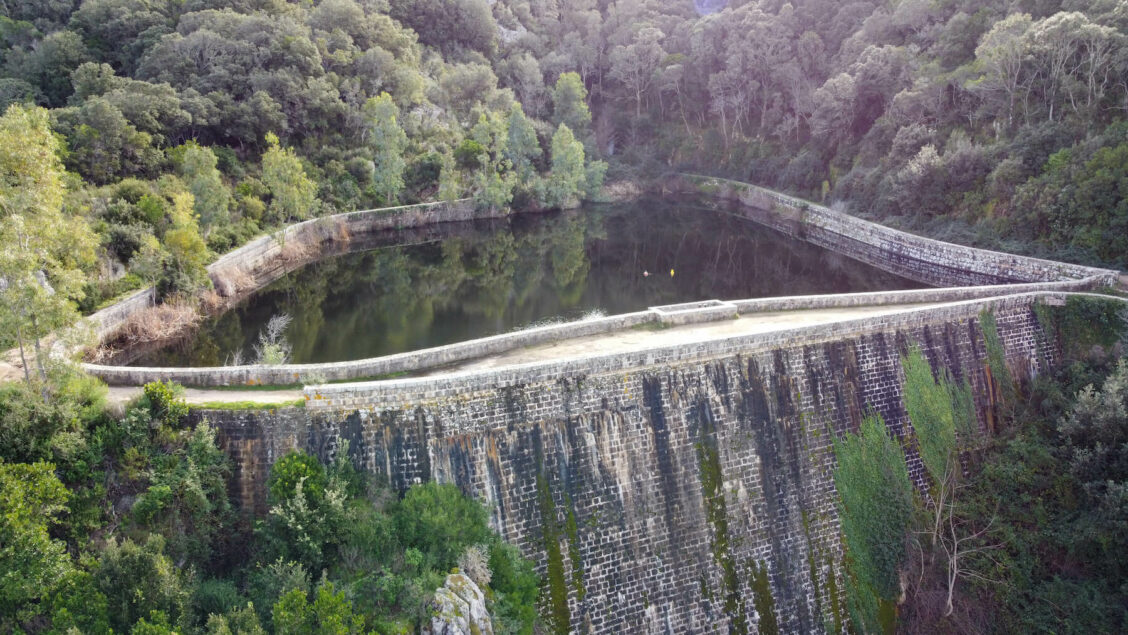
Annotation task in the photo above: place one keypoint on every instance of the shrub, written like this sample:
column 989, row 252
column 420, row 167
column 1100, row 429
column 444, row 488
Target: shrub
column 440, row 522
column 165, row 402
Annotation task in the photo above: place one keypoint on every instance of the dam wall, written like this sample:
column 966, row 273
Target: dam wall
column 915, row 257
column 686, row 489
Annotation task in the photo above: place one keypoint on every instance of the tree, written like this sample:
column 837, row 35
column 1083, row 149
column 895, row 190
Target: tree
column 440, row 522
column 138, row 580
column 635, row 65
column 388, row 141
column 330, row 613
column 1000, row 53
column 569, row 104
column 104, row 145
column 452, row 26
column 493, row 181
column 834, row 108
column 568, row 179
column 522, row 147
column 186, row 269
column 293, row 194
column 49, row 65
column 875, row 510
column 450, row 180
column 211, row 198
column 31, row 563
column 44, row 249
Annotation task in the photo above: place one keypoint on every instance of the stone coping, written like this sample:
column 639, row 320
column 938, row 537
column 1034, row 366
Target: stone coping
column 395, row 392
column 893, row 249
column 291, row 374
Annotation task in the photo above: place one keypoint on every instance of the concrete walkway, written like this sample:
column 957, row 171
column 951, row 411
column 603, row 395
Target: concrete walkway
column 616, row 342
column 641, row 339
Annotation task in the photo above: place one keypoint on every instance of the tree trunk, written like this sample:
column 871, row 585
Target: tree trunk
column 23, row 357
column 39, row 356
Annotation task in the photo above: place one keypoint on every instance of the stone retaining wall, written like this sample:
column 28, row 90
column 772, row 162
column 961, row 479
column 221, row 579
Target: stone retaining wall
column 267, row 258
column 916, row 257
column 650, row 474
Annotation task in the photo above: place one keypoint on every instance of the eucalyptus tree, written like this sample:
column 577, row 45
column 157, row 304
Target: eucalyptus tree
column 44, row 249
column 212, row 199
column 387, row 142
column 293, row 194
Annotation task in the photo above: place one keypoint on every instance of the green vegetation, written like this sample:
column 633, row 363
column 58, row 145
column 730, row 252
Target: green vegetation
column 875, row 510
column 126, row 524
column 140, row 138
column 970, row 549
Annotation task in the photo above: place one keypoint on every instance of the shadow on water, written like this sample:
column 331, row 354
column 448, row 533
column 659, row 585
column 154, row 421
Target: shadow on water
column 484, row 279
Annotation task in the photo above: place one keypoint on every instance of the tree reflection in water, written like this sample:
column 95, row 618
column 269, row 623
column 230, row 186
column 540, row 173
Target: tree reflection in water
column 485, row 280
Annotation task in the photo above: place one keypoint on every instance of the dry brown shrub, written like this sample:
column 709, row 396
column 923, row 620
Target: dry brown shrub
column 159, row 322
column 234, row 281
column 296, row 249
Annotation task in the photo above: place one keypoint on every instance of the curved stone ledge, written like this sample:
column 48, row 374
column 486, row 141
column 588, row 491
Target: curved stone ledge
column 923, row 259
column 267, row 258
column 289, row 374
column 390, row 393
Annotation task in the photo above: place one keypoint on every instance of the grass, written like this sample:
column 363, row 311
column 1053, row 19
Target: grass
column 650, row 326
column 248, row 405
column 299, row 386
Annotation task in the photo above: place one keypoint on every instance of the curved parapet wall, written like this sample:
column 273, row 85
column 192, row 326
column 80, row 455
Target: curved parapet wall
column 698, row 312
column 682, row 489
column 269, row 257
column 923, row 259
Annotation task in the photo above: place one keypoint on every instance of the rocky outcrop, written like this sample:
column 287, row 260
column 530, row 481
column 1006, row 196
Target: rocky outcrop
column 459, row 608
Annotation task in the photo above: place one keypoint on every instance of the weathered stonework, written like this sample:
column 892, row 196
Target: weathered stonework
column 673, row 490
column 931, row 261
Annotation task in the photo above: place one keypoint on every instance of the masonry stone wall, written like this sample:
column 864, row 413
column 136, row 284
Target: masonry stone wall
column 915, row 257
column 267, row 258
column 673, row 490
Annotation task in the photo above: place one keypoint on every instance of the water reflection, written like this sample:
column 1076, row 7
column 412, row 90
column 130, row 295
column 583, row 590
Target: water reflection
column 490, row 278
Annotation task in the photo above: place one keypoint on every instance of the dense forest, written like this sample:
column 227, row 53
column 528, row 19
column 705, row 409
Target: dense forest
column 141, row 138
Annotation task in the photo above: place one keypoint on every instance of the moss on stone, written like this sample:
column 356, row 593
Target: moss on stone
column 833, row 597
column 572, row 531
column 558, row 616
column 763, row 600
column 716, row 515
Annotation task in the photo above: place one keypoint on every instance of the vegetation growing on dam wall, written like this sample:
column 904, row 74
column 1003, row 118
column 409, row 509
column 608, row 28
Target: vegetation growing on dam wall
column 654, row 482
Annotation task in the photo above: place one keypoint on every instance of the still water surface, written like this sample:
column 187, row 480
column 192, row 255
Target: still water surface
column 490, row 277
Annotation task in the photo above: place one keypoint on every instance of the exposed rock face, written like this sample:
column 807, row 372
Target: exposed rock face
column 459, row 608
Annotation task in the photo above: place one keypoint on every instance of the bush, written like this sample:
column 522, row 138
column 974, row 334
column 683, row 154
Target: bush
column 440, row 522
column 165, row 402
column 293, row 468
column 139, row 579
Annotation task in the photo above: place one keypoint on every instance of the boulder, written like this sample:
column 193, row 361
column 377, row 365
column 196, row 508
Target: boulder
column 459, row 608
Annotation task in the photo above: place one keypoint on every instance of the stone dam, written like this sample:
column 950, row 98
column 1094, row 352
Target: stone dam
column 684, row 488
column 680, row 490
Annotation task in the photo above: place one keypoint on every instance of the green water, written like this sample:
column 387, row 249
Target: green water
column 470, row 280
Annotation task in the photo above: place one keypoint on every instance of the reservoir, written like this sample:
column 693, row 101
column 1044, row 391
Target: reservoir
column 475, row 279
